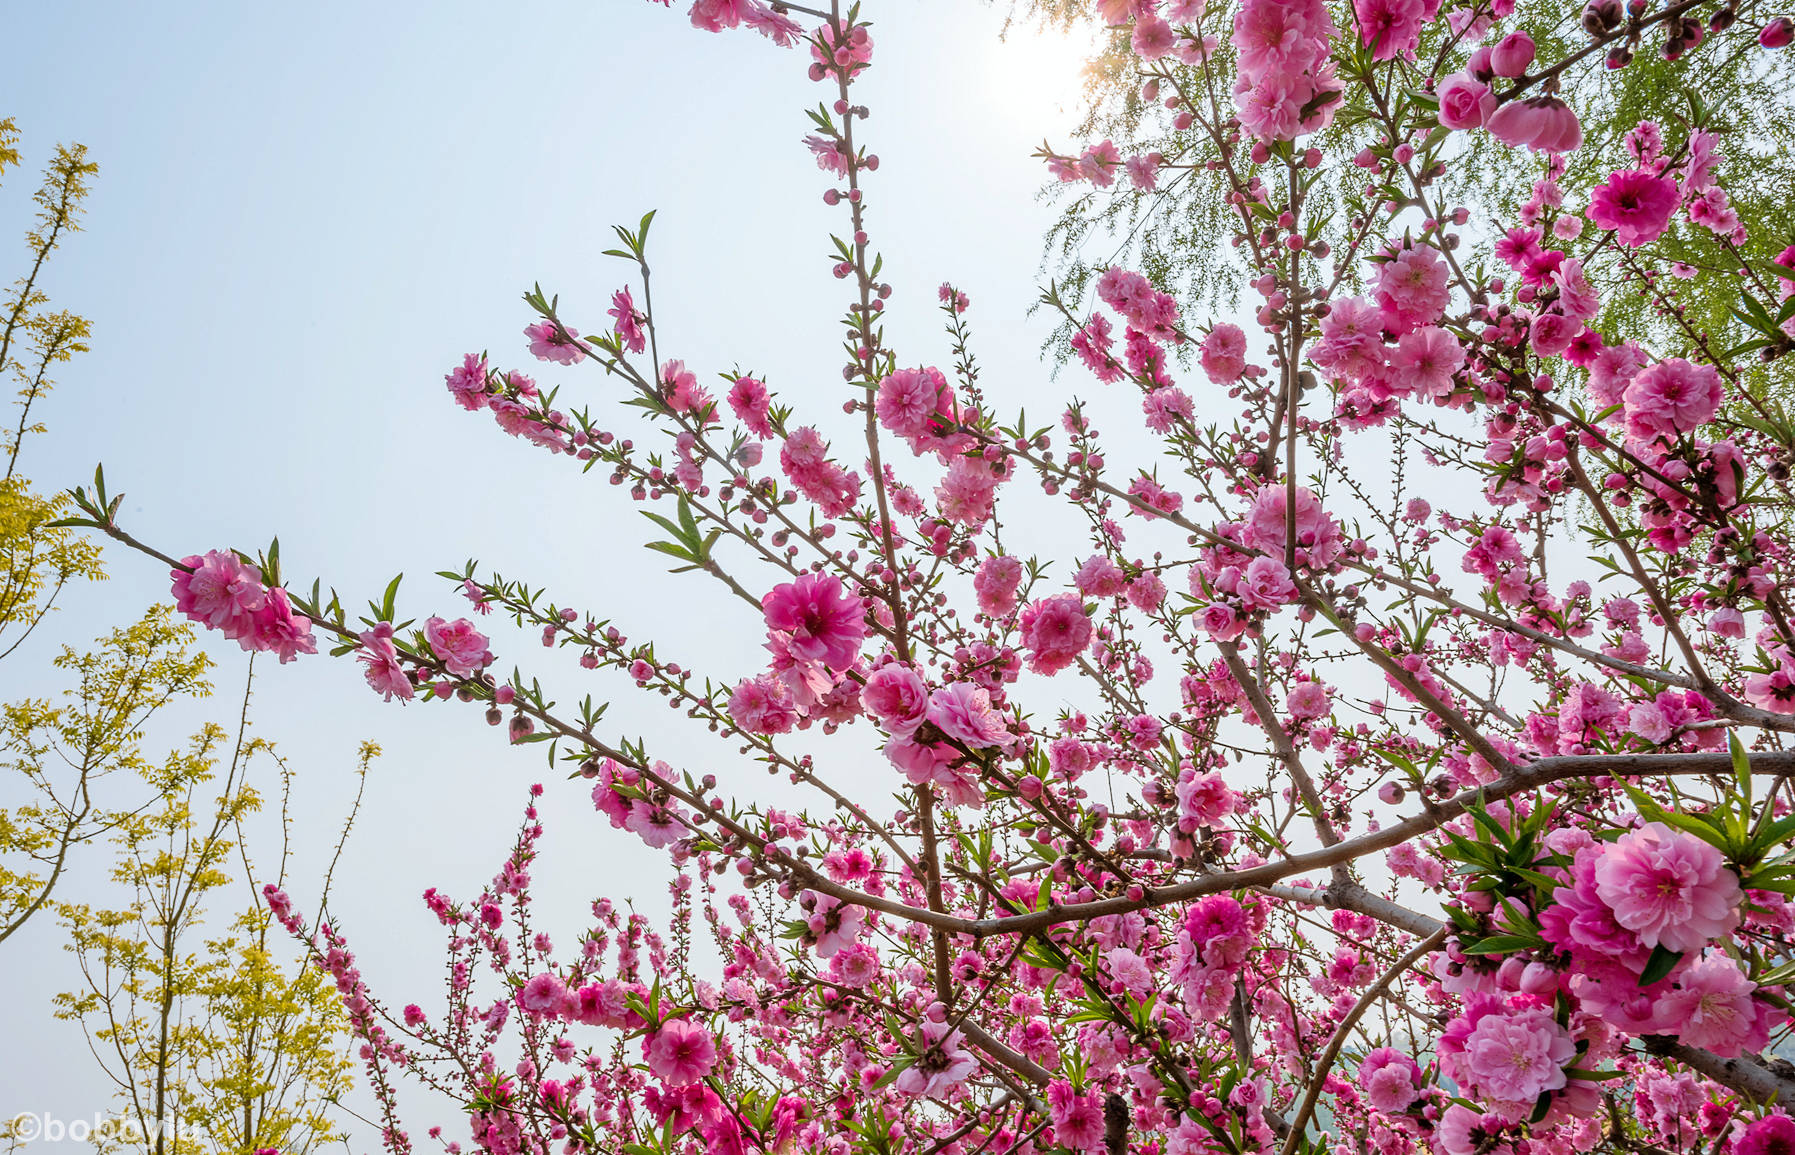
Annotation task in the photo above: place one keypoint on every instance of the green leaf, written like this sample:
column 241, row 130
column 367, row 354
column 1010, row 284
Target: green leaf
column 1502, row 944
column 390, row 598
column 1660, row 964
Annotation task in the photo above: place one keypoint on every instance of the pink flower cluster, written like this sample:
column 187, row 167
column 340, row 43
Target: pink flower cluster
column 1212, row 947
column 1656, row 889
column 1286, row 86
column 225, row 593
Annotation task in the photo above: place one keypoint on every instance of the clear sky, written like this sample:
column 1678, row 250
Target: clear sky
column 305, row 215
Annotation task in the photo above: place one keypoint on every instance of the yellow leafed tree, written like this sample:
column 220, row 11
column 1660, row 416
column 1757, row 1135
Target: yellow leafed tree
column 215, row 1044
column 36, row 561
column 216, row 1034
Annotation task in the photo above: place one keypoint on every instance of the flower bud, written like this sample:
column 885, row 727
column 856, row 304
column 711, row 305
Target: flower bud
column 1512, row 54
column 1539, row 980
column 1601, row 17
column 1778, row 33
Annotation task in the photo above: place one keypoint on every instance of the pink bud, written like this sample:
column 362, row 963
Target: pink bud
column 1539, row 979
column 1779, row 33
column 1390, row 793
column 1512, row 54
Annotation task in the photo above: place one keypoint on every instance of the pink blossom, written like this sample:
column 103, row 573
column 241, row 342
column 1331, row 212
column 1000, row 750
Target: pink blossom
column 1512, row 54
column 832, row 925
column 1426, row 360
column 1635, row 204
column 1317, row 534
column 1203, row 800
column 1463, row 1131
column 1542, row 124
column 1221, row 622
column 681, row 1051
column 1411, row 288
column 1390, row 1079
column 1143, row 171
column 855, row 965
column 762, row 705
column 1309, row 700
column 549, row 343
column 996, row 582
column 1055, row 631
column 544, row 994
column 1773, row 1134
column 1077, row 1119
column 1265, row 584
column 897, row 696
column 680, row 388
column 1576, row 296
column 1351, row 342
column 1713, row 1006
column 1613, row 370
column 750, row 401
column 1671, row 398
column 221, row 591
column 467, row 383
column 1224, row 353
column 941, row 1062
column 967, row 492
column 1579, row 922
column 1099, row 577
column 1465, row 102
column 1153, row 38
column 1390, row 27
column 657, row 825
column 823, row 621
column 279, row 629
column 1100, row 162
column 1671, row 889
column 381, row 657
column 909, row 399
column 1552, row 333
column 963, row 712
column 1274, row 34
column 460, row 647
column 1505, row 1054
column 600, row 1004
column 628, row 320
column 1217, row 926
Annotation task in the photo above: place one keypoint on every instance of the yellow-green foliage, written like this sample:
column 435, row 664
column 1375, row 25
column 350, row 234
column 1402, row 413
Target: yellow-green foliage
column 215, row 1044
column 59, row 751
column 223, row 1041
column 48, row 337
column 37, row 561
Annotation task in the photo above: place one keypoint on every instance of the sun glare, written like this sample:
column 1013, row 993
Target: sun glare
column 1037, row 78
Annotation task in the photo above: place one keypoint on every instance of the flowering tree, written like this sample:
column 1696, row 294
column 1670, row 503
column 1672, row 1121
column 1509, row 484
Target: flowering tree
column 1318, row 801
column 1165, row 216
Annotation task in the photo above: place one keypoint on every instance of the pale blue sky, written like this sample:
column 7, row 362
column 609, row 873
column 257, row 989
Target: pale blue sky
column 305, row 215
